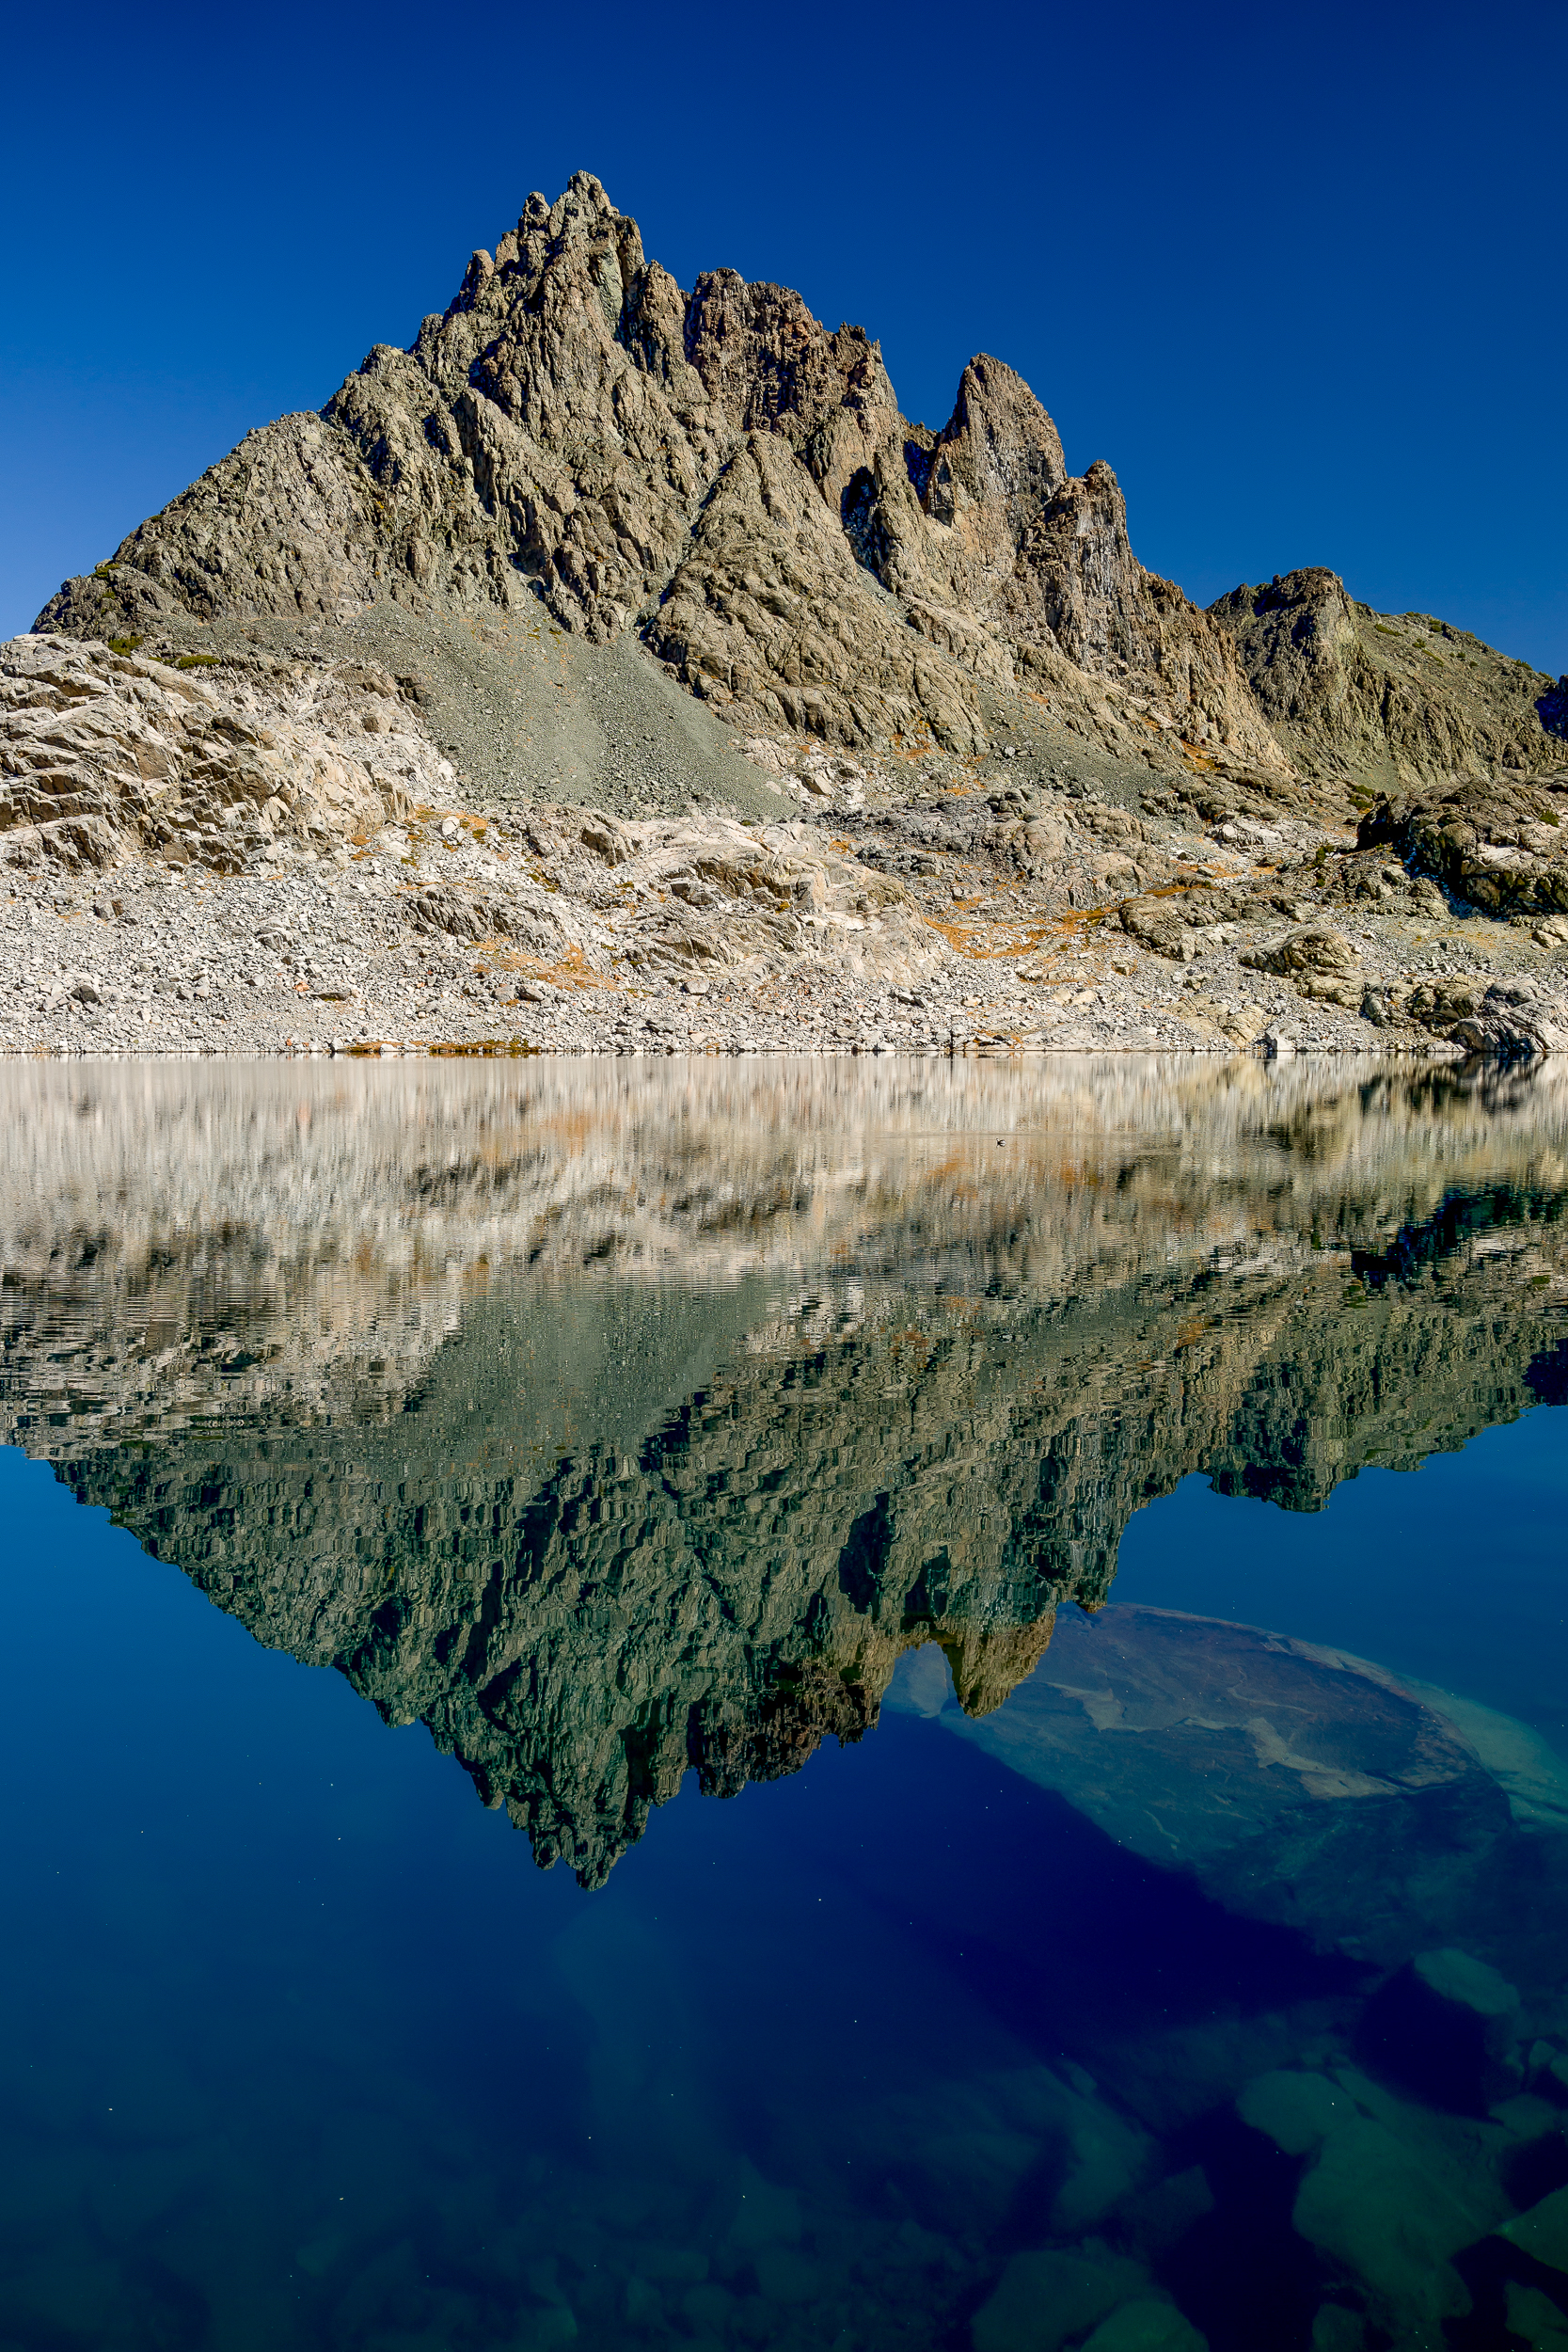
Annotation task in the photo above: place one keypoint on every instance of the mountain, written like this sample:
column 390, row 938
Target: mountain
column 855, row 706
column 719, row 474
column 714, row 469
column 1382, row 700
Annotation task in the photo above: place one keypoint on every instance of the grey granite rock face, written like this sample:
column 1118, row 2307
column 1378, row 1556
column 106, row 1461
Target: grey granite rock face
column 1497, row 844
column 107, row 755
column 720, row 474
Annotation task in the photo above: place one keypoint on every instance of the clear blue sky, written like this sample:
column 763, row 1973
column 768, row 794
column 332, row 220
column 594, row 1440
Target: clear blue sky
column 1299, row 274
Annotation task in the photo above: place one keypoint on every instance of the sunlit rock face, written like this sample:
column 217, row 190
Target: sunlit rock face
column 620, row 1422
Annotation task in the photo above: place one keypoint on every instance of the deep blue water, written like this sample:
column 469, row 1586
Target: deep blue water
column 279, row 1993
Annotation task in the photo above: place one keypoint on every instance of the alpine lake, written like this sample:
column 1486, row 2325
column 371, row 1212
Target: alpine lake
column 827, row 1706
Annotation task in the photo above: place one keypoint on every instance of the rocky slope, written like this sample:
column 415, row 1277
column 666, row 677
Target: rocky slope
column 861, row 1382
column 1386, row 702
column 676, row 559
column 267, row 854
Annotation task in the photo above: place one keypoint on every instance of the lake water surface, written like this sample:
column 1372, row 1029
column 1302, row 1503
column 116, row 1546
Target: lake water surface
column 824, row 1706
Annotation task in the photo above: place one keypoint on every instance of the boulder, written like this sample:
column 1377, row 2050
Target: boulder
column 1319, row 963
column 1543, row 2232
column 1497, row 844
column 1315, row 953
column 1515, row 1020
column 1044, row 2299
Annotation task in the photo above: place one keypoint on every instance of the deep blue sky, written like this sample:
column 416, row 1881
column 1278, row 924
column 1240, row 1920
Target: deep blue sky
column 1297, row 273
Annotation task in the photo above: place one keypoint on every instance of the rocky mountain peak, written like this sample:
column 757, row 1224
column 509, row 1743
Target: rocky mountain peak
column 1298, row 630
column 1000, row 441
column 718, row 479
column 1389, row 699
column 716, row 470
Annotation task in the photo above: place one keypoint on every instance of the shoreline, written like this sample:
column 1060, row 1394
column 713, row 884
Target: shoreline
column 922, row 907
column 1433, row 1050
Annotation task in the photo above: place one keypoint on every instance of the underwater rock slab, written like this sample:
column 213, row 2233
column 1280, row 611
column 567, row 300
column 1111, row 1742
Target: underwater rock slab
column 1046, row 2298
column 1392, row 2191
column 1394, row 2216
column 1529, row 1771
column 1456, row 1977
column 1297, row 2107
column 1149, row 2325
column 1536, row 2319
column 1544, row 2231
column 1298, row 1783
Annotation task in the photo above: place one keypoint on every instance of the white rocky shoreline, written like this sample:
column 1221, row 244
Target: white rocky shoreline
column 246, row 858
column 319, row 959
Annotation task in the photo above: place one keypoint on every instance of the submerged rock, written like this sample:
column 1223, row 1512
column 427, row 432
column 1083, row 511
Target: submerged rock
column 1296, row 2107
column 1298, row 1783
column 1045, row 2299
column 1337, row 2329
column 1536, row 2319
column 1393, row 2190
column 1458, row 1977
column 1394, row 2216
column 1148, row 2323
column 1543, row 2232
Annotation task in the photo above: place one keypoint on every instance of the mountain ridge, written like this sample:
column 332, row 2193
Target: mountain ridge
column 721, row 474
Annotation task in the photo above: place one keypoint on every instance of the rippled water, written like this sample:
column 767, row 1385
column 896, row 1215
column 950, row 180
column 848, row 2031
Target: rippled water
column 1100, row 1532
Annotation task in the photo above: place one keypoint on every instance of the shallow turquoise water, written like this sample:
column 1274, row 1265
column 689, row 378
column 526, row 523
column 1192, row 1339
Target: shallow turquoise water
column 833, row 1537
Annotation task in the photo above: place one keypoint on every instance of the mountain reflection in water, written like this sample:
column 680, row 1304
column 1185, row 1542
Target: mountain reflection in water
column 617, row 1422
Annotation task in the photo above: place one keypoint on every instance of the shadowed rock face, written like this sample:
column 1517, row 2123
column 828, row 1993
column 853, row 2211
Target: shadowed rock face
column 613, row 1431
